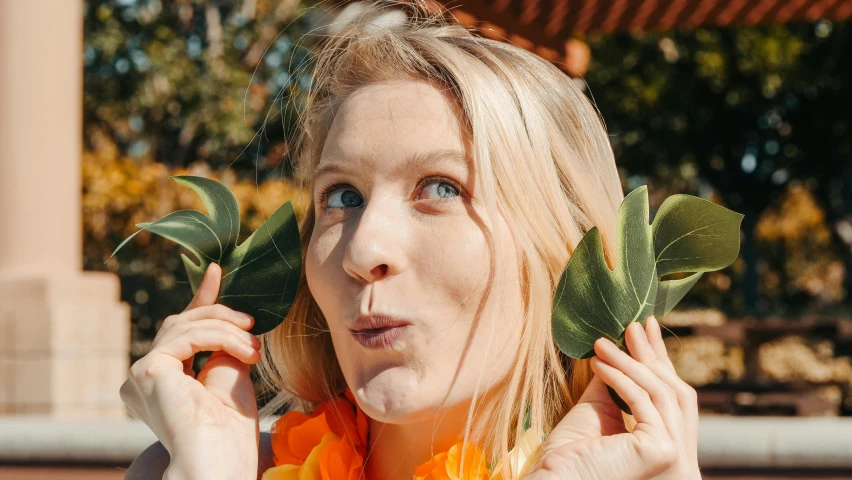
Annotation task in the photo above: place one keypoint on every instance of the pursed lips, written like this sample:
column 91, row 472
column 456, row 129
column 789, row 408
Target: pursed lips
column 378, row 331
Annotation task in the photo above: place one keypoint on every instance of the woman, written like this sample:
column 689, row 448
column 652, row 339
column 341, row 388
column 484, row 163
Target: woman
column 451, row 177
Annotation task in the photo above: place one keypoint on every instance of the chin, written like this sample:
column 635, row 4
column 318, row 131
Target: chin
column 394, row 395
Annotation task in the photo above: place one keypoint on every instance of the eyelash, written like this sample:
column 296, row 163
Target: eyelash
column 323, row 197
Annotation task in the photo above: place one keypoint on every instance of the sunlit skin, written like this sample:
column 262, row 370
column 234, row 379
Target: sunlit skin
column 409, row 239
column 402, row 232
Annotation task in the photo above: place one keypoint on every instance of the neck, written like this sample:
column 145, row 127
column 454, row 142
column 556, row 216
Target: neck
column 395, row 450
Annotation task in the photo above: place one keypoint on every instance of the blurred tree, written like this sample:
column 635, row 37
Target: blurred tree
column 738, row 111
column 191, row 80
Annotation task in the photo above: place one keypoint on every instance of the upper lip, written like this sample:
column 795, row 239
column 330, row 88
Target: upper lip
column 376, row 321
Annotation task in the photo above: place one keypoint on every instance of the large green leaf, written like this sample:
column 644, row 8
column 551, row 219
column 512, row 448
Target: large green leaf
column 593, row 301
column 688, row 235
column 260, row 276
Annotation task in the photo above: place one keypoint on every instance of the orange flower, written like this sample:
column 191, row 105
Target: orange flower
column 347, row 420
column 339, row 460
column 328, row 444
column 309, row 470
column 448, row 466
column 362, row 423
column 294, row 435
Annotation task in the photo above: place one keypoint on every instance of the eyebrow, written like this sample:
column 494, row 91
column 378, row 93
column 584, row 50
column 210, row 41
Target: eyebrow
column 417, row 160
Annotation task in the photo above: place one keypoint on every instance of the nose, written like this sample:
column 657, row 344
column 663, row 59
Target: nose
column 375, row 249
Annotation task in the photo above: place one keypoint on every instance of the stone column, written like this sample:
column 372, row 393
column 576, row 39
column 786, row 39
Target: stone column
column 64, row 333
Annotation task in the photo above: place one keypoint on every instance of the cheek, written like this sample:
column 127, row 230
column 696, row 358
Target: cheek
column 460, row 271
column 321, row 277
column 497, row 337
column 457, row 265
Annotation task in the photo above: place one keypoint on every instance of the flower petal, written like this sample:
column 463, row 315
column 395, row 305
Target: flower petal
column 310, row 470
column 282, row 472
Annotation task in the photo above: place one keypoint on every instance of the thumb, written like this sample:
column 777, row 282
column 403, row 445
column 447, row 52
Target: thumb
column 208, row 291
column 593, row 416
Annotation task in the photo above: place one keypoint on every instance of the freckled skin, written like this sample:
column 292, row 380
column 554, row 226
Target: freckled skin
column 409, row 253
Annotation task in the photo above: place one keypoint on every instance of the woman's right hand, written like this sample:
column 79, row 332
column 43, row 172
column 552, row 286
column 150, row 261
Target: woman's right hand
column 209, row 424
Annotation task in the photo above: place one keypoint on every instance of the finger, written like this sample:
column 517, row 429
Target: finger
column 228, row 379
column 200, row 339
column 237, row 330
column 642, row 351
column 218, row 311
column 210, row 324
column 636, row 398
column 640, row 346
column 661, row 398
column 208, row 290
column 655, row 338
column 687, row 398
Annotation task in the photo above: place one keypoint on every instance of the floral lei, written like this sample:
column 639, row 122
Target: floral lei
column 331, row 444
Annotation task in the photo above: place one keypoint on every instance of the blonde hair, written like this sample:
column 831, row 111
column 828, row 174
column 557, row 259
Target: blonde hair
column 543, row 161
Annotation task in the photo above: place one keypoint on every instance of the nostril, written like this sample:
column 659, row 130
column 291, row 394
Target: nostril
column 380, row 270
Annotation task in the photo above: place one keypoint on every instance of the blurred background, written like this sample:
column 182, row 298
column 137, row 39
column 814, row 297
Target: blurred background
column 743, row 102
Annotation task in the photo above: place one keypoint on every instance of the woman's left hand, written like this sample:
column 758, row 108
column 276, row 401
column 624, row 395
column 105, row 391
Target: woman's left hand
column 591, row 442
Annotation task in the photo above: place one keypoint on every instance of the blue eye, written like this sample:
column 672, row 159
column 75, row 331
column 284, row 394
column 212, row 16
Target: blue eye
column 344, row 198
column 440, row 189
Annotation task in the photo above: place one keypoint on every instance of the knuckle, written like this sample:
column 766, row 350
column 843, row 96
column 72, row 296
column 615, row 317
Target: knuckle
column 667, row 454
column 142, row 371
column 688, row 393
column 662, row 454
column 169, row 322
column 663, row 393
column 656, row 363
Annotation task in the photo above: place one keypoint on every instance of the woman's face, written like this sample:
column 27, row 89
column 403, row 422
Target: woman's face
column 399, row 259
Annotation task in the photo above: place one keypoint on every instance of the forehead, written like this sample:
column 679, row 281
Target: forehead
column 391, row 122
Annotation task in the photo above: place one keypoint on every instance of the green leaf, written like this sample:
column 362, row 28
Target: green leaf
column 688, row 235
column 224, row 213
column 593, row 301
column 695, row 235
column 260, row 276
column 670, row 292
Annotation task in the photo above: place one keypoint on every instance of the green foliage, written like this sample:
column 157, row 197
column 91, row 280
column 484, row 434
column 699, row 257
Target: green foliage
column 743, row 112
column 197, row 80
column 688, row 234
column 259, row 276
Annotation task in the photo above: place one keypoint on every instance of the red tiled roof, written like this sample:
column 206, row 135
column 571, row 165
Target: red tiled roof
column 546, row 25
column 555, row 18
